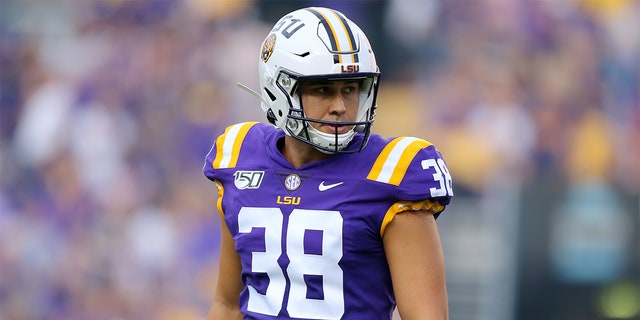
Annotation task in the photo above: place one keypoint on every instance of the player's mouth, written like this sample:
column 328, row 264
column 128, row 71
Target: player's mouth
column 335, row 129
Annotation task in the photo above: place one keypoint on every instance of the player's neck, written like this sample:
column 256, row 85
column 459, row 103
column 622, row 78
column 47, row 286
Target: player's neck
column 299, row 153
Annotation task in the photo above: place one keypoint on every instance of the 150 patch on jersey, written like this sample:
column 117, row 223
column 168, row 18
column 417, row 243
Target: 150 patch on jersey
column 248, row 179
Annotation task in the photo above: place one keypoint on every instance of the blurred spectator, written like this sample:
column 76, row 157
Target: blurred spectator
column 108, row 108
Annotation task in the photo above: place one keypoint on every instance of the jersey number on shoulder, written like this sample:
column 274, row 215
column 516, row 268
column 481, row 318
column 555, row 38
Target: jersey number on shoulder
column 442, row 176
column 303, row 227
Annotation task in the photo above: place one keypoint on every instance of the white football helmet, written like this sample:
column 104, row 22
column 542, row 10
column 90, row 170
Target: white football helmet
column 316, row 43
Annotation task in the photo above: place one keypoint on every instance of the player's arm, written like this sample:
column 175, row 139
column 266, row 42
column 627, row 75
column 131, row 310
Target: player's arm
column 414, row 253
column 226, row 299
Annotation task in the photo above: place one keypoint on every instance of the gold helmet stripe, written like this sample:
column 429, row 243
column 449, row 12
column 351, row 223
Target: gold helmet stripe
column 339, row 33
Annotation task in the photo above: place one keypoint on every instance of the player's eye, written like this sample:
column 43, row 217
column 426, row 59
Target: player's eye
column 351, row 88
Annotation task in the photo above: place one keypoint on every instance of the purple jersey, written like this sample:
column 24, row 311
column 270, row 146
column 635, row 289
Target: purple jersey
column 310, row 239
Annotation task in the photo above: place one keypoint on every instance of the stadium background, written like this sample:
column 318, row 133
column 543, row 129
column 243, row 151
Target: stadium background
column 109, row 106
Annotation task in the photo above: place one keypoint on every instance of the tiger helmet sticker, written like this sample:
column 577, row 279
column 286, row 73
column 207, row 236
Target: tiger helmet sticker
column 267, row 47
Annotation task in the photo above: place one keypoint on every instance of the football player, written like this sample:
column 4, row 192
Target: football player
column 322, row 219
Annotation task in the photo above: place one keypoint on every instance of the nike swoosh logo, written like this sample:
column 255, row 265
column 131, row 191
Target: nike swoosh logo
column 324, row 187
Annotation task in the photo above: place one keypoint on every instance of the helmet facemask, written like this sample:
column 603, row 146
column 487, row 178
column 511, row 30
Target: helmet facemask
column 298, row 125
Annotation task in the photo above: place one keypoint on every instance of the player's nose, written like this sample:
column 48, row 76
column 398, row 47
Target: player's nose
column 337, row 104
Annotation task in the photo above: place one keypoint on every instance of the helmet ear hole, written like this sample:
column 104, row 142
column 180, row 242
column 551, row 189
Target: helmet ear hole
column 271, row 95
column 270, row 117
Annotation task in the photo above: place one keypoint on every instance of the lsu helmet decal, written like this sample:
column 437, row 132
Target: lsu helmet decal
column 267, row 47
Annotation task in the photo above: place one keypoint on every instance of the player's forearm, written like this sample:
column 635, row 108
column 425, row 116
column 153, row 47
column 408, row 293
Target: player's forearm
column 220, row 310
column 431, row 311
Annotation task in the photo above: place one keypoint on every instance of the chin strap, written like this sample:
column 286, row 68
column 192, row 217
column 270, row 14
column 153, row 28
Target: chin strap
column 331, row 142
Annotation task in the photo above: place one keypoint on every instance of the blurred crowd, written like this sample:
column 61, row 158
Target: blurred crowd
column 108, row 107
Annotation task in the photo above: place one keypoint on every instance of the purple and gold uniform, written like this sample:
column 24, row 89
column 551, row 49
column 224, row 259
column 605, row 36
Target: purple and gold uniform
column 310, row 239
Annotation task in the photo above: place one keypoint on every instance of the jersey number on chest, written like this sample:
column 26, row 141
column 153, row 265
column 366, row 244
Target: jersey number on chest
column 313, row 243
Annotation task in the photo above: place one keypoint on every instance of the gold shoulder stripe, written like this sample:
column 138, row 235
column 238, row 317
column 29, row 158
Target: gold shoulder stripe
column 393, row 162
column 398, row 207
column 220, row 196
column 228, row 145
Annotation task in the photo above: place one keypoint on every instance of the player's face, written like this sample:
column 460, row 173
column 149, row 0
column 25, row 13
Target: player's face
column 335, row 101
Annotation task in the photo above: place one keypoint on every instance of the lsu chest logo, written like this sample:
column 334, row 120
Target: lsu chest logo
column 248, row 179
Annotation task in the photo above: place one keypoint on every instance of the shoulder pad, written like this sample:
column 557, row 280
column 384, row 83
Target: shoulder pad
column 227, row 147
column 393, row 161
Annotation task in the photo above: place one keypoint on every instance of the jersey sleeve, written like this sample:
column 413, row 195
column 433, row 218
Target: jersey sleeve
column 224, row 154
column 419, row 173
